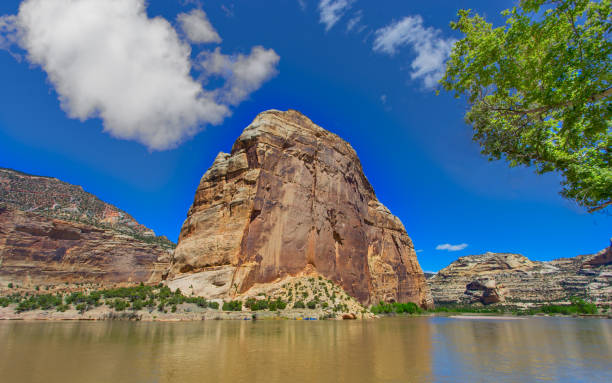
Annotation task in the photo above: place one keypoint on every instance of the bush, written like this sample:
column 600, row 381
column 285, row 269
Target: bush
column 62, row 308
column 299, row 305
column 213, row 305
column 232, row 306
column 137, row 305
column 394, row 307
column 311, row 305
column 119, row 304
column 10, row 285
column 81, row 307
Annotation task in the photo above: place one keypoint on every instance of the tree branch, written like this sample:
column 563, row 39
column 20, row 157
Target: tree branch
column 541, row 109
column 602, row 206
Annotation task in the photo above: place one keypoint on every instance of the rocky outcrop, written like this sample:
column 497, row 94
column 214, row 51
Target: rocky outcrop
column 512, row 278
column 53, row 198
column 39, row 250
column 292, row 196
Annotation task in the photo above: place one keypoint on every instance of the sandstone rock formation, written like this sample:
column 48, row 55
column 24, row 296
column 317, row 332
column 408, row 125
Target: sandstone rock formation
column 292, row 196
column 512, row 278
column 53, row 232
column 38, row 250
column 57, row 199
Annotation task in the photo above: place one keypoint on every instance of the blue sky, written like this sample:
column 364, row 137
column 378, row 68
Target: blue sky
column 363, row 84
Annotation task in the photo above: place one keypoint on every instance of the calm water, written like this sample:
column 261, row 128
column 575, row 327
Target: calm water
column 386, row 350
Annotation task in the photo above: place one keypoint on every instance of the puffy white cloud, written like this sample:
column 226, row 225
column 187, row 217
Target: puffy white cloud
column 331, row 11
column 449, row 247
column 431, row 49
column 197, row 27
column 109, row 60
column 243, row 74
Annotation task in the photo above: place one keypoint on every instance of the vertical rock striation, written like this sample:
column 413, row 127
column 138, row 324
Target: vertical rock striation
column 292, row 198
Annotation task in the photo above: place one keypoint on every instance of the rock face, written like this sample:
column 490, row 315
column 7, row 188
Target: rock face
column 512, row 278
column 57, row 199
column 53, row 232
column 38, row 250
column 292, row 196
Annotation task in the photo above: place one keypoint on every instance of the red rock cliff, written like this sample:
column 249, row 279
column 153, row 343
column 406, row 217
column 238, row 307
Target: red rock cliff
column 40, row 250
column 292, row 196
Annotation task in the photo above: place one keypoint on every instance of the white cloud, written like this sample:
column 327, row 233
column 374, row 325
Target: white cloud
column 8, row 32
column 383, row 98
column 355, row 21
column 449, row 247
column 197, row 27
column 331, row 11
column 302, row 4
column 109, row 60
column 431, row 49
column 243, row 74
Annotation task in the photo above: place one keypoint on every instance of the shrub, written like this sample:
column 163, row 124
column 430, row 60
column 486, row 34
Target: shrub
column 299, row 305
column 312, row 304
column 213, row 305
column 81, row 307
column 62, row 308
column 232, row 306
column 119, row 304
column 137, row 305
column 395, row 307
column 10, row 285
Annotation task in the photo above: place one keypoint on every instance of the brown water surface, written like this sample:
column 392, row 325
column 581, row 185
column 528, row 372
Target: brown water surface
column 402, row 349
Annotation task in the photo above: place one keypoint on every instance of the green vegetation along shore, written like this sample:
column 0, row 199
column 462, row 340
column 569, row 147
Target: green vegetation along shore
column 159, row 300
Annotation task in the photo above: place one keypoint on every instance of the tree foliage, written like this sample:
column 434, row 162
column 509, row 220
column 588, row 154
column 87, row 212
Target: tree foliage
column 539, row 91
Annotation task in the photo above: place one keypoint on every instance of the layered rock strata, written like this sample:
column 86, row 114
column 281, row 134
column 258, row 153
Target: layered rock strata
column 290, row 196
column 512, row 278
column 39, row 250
column 54, row 198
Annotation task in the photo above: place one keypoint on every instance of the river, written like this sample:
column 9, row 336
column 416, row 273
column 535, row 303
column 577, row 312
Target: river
column 401, row 349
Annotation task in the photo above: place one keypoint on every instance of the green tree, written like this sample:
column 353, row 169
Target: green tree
column 539, row 91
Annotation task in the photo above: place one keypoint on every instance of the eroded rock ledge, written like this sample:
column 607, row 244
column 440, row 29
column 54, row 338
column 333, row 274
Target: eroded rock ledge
column 513, row 278
column 292, row 196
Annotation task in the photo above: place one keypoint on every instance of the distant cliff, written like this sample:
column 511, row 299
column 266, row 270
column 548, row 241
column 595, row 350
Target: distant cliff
column 292, row 198
column 57, row 199
column 512, row 278
column 53, row 232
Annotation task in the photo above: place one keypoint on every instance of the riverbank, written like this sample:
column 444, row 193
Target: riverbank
column 189, row 312
column 184, row 312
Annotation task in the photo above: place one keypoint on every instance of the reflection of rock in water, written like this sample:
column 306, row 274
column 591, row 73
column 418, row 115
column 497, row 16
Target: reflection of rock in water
column 400, row 349
column 521, row 350
column 218, row 351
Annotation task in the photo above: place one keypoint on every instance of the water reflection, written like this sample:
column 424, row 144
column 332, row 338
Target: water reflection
column 217, row 351
column 548, row 349
column 388, row 350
